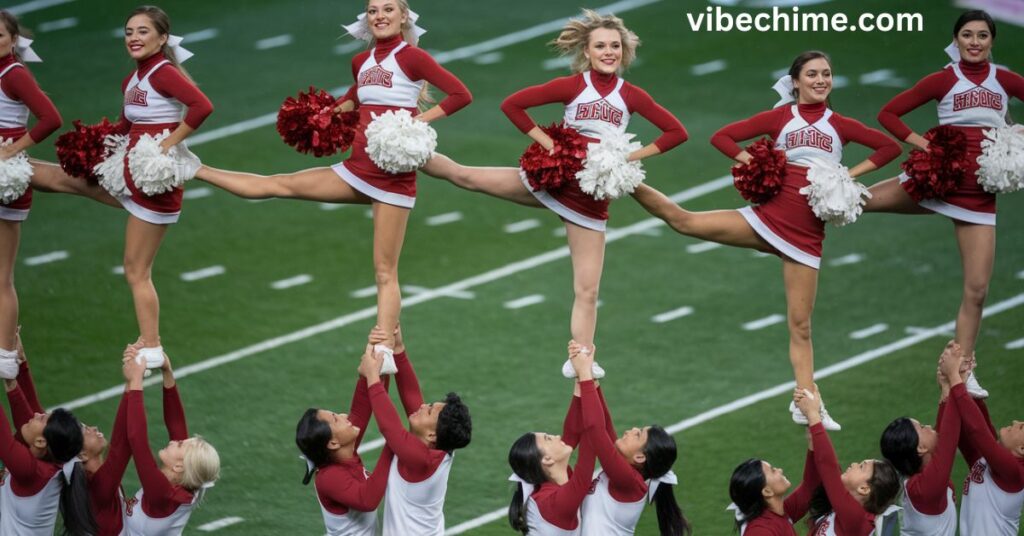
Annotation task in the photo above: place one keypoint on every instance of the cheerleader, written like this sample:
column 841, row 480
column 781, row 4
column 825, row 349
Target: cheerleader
column 329, row 443
column 635, row 469
column 758, row 493
column 548, row 492
column 848, row 503
column 104, row 462
column 418, row 482
column 161, row 103
column 43, row 469
column 924, row 457
column 188, row 466
column 973, row 96
column 391, row 76
column 598, row 104
column 812, row 136
column 993, row 492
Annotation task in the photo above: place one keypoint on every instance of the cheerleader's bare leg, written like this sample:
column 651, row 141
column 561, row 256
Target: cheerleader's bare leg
column 389, row 223
column 889, row 196
column 317, row 184
column 727, row 227
column 500, row 182
column 801, row 283
column 587, row 249
column 50, row 178
column 10, row 235
column 141, row 243
column 977, row 255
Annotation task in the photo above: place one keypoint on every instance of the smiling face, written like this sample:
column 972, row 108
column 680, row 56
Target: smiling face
column 7, row 40
column 93, row 441
column 385, row 18
column 1012, row 437
column 141, row 37
column 815, row 82
column 343, row 432
column 974, row 41
column 775, row 482
column 604, row 50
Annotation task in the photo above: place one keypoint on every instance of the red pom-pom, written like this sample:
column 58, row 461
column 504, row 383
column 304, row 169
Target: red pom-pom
column 310, row 124
column 938, row 171
column 552, row 170
column 761, row 178
column 81, row 149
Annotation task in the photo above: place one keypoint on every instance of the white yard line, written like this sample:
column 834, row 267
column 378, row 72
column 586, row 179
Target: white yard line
column 370, row 312
column 702, row 69
column 197, row 193
column 1015, row 345
column 525, row 301
column 201, row 35
column 772, row 392
column 852, row 258
column 220, row 523
column 35, row 5
column 762, row 323
column 869, row 331
column 59, row 24
column 442, row 219
column 274, row 42
column 701, row 247
column 520, row 226
column 203, row 273
column 47, row 258
column 290, row 282
column 672, row 315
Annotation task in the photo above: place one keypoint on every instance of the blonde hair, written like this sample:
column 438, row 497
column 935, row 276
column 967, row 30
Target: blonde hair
column 575, row 37
column 201, row 466
column 424, row 100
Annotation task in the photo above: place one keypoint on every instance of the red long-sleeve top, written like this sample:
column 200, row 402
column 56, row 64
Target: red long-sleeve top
column 927, row 489
column 20, row 85
column 418, row 65
column 937, row 85
column 105, row 483
column 28, row 387
column 28, row 474
column 160, row 498
column 851, row 518
column 170, row 82
column 565, row 89
column 560, row 504
column 344, row 485
column 771, row 123
column 572, row 427
column 795, row 506
column 978, row 440
column 625, row 484
column 416, row 461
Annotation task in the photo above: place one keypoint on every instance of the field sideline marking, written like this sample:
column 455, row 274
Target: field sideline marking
column 430, row 295
column 35, row 5
column 460, row 53
column 777, row 390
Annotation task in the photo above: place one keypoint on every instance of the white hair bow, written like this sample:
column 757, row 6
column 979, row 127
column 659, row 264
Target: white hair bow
column 784, row 87
column 25, row 52
column 69, row 468
column 953, row 51
column 735, row 512
column 310, row 466
column 667, row 478
column 527, row 487
column 180, row 53
column 208, row 485
column 361, row 30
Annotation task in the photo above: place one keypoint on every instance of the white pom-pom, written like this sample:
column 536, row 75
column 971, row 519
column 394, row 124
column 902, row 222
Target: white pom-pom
column 155, row 172
column 833, row 195
column 111, row 170
column 15, row 175
column 607, row 173
column 1002, row 160
column 399, row 143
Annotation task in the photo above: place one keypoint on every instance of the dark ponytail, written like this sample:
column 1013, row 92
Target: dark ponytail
column 64, row 441
column 312, row 436
column 820, row 506
column 524, row 457
column 745, row 490
column 660, row 454
column 885, row 488
column 899, row 446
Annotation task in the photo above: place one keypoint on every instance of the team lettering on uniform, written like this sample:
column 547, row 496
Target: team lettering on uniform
column 809, row 137
column 977, row 475
column 599, row 110
column 135, row 97
column 977, row 97
column 129, row 505
column 375, row 76
column 822, row 529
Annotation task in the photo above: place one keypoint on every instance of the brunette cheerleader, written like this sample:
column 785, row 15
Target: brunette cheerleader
column 973, row 98
column 812, row 136
column 598, row 104
column 390, row 77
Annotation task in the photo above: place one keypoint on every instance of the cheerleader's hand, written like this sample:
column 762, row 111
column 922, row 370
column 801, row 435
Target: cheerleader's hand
column 377, row 335
column 583, row 363
column 133, row 370
column 808, row 404
column 369, row 365
column 7, row 151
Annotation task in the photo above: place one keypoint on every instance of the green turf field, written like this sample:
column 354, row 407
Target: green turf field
column 253, row 357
